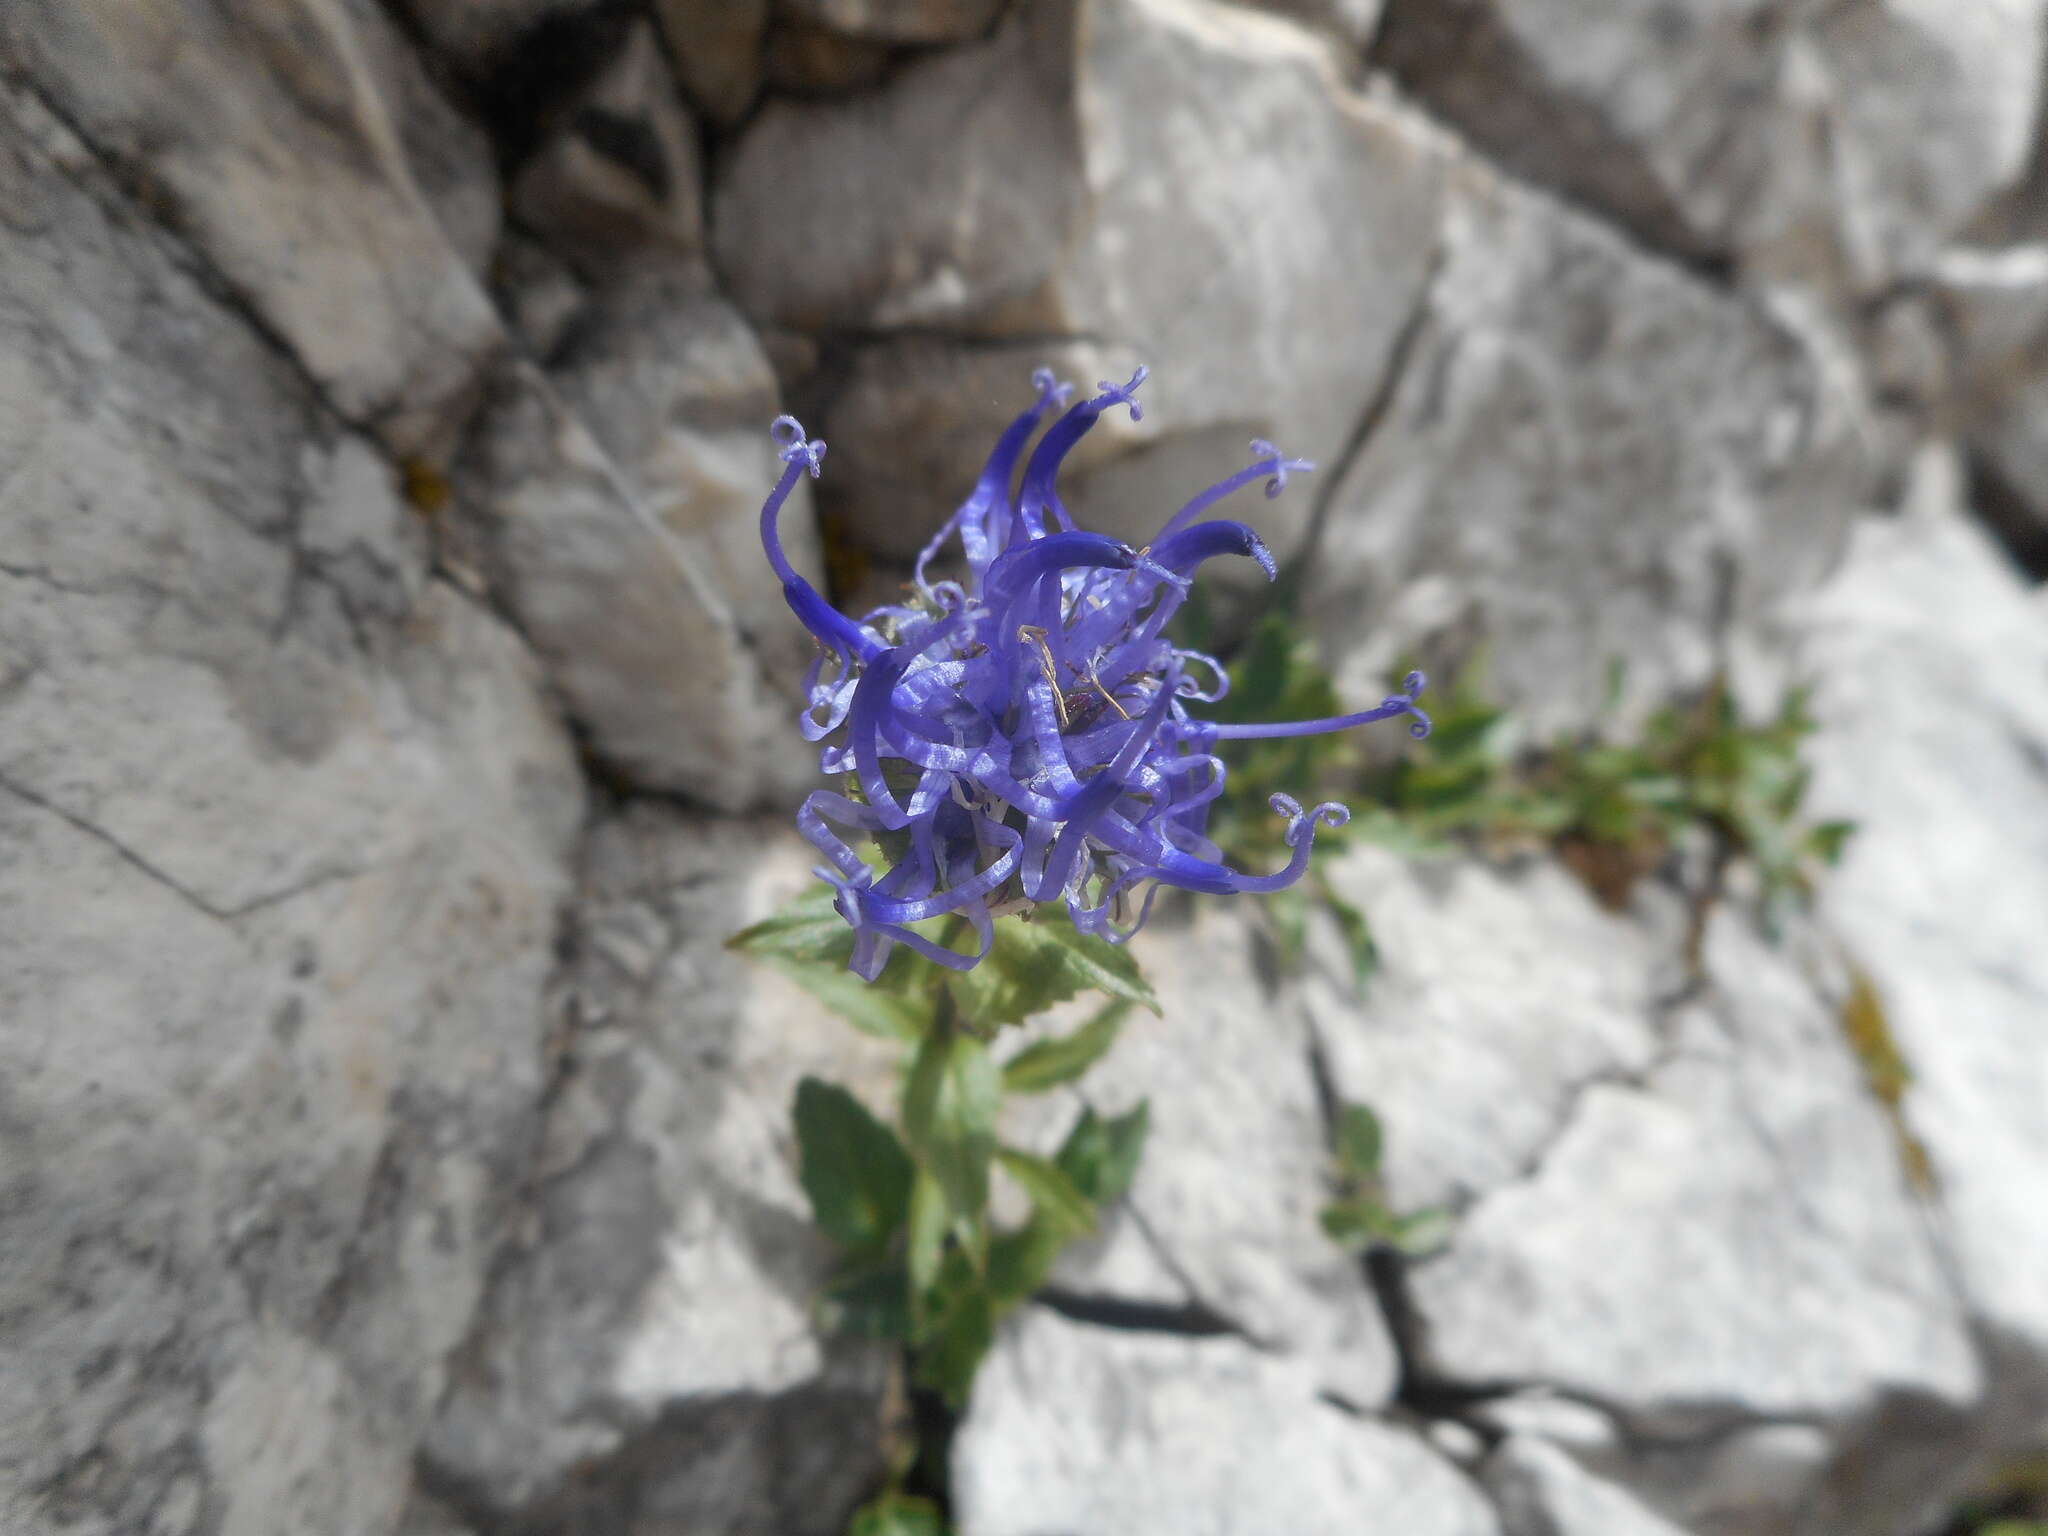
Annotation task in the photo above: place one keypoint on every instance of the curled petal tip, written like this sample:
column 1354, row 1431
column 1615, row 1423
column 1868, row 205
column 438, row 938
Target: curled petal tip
column 1413, row 684
column 1265, row 454
column 1049, row 386
column 1419, row 727
column 788, row 432
column 1126, row 394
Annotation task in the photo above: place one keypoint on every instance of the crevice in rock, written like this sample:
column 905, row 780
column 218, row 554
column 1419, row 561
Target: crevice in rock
column 169, row 881
column 1330, row 478
column 2020, row 528
column 156, row 207
column 1192, row 1320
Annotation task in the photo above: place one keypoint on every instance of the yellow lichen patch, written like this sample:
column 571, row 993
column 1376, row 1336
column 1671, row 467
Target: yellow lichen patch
column 1885, row 1071
column 426, row 487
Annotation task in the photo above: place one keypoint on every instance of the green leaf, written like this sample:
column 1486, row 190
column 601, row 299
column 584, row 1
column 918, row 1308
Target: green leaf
column 1019, row 1260
column 1358, row 939
column 1032, row 965
column 961, row 1334
column 1359, row 1142
column 949, row 1115
column 898, row 1514
column 1100, row 1156
column 809, row 942
column 1421, row 1233
column 1356, row 1224
column 872, row 1302
column 1053, row 1194
column 853, row 1168
column 1050, row 1063
column 927, row 1232
column 808, row 928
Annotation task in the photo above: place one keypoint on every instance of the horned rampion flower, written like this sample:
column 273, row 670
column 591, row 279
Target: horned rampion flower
column 1024, row 733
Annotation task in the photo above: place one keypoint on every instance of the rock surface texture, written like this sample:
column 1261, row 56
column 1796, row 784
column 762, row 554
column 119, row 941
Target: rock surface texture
column 396, row 717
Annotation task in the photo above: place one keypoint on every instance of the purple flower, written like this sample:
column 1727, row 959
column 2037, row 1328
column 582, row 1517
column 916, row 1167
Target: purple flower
column 1025, row 734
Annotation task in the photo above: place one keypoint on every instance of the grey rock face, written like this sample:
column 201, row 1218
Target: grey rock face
column 1541, row 1491
column 262, row 129
column 655, row 1306
column 1589, row 457
column 619, row 175
column 287, row 825
column 717, row 48
column 1075, row 1428
column 1865, row 132
column 624, row 612
column 1926, row 609
column 900, row 21
column 1223, row 1213
column 1124, row 222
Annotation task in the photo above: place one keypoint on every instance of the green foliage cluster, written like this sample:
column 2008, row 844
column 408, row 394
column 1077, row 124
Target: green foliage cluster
column 1360, row 1218
column 922, row 1262
column 1612, row 809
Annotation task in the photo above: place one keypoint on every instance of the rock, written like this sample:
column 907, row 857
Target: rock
column 1926, row 610
column 1540, row 1491
column 1498, row 998
column 1746, row 1207
column 449, row 155
column 655, row 1317
column 1075, row 1428
column 260, row 134
column 900, row 21
column 677, row 389
column 1352, row 22
column 627, row 617
column 480, row 37
column 1127, row 223
column 802, row 60
column 620, row 173
column 1223, row 1215
column 1831, row 146
column 287, row 825
column 540, row 297
column 1702, row 460
column 717, row 49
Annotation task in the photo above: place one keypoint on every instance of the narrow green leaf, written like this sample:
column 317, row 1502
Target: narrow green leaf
column 949, row 1115
column 1100, row 1156
column 1359, row 1142
column 1421, row 1233
column 1358, row 939
column 1053, row 1194
column 961, row 1335
column 898, row 1514
column 1019, row 1260
column 927, row 1235
column 852, row 1167
column 1349, row 1223
column 806, row 928
column 1050, row 1063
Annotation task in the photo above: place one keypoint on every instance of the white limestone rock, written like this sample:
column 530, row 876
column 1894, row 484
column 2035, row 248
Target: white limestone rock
column 662, row 1289
column 276, row 153
column 1190, row 184
column 287, row 826
column 1833, row 147
column 1223, row 1214
column 1590, row 457
column 1077, row 1428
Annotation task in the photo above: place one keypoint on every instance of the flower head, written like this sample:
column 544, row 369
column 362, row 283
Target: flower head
column 1024, row 734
